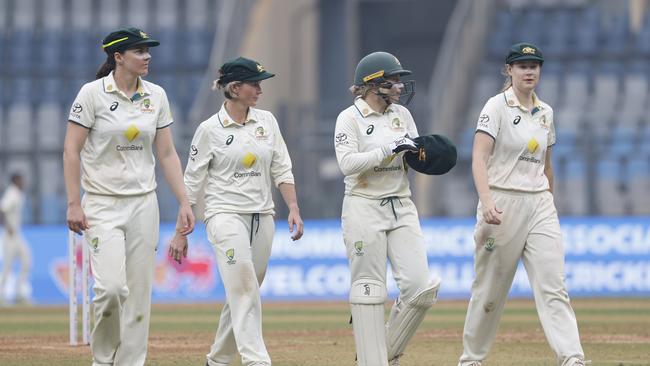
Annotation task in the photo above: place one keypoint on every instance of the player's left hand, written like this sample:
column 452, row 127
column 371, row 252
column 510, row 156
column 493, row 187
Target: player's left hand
column 296, row 226
column 185, row 222
column 178, row 247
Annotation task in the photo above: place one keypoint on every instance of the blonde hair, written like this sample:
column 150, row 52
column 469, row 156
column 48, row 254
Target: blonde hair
column 227, row 89
column 507, row 83
column 361, row 91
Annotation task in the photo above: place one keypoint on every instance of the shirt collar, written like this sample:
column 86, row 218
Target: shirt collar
column 226, row 120
column 512, row 101
column 364, row 108
column 111, row 87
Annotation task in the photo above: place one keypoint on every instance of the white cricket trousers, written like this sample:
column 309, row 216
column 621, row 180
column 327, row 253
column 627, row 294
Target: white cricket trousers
column 122, row 241
column 15, row 247
column 388, row 229
column 242, row 245
column 529, row 230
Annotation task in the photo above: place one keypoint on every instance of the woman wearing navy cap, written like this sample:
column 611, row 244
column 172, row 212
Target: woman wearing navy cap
column 239, row 154
column 516, row 215
column 114, row 124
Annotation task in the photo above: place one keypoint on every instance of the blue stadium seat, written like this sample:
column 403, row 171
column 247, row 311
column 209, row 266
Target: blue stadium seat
column 167, row 55
column 50, row 55
column 21, row 43
column 197, row 45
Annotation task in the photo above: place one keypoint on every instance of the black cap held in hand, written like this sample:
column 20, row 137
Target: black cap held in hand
column 242, row 69
column 524, row 52
column 126, row 38
column 436, row 155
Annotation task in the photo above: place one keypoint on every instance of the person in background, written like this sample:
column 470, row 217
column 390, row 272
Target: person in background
column 14, row 245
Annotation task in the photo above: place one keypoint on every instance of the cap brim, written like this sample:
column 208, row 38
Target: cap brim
column 259, row 77
column 527, row 58
column 400, row 72
column 145, row 42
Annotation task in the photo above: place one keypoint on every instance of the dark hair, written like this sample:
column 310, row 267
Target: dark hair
column 106, row 68
column 15, row 177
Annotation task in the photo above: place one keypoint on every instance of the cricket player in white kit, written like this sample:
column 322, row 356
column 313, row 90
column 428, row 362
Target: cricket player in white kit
column 114, row 124
column 379, row 219
column 516, row 216
column 14, row 245
column 239, row 154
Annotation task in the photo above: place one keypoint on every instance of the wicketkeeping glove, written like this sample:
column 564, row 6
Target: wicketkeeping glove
column 403, row 143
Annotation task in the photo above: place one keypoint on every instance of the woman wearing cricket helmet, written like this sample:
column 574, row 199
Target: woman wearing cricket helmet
column 239, row 154
column 379, row 219
column 115, row 123
column 516, row 216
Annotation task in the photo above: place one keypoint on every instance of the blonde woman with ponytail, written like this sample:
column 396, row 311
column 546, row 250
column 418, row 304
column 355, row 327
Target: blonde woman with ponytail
column 516, row 215
column 239, row 154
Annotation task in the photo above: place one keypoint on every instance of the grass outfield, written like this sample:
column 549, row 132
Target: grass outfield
column 613, row 332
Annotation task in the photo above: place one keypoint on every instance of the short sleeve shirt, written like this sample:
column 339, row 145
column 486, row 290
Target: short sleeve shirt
column 359, row 137
column 117, row 158
column 521, row 138
column 238, row 164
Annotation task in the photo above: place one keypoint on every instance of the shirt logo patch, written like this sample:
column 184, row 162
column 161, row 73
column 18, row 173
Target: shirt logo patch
column 260, row 133
column 229, row 139
column 131, row 133
column 341, row 138
column 77, row 108
column 113, row 106
column 193, row 151
column 248, row 160
column 146, row 106
column 516, row 120
column 532, row 145
column 483, row 120
column 396, row 124
column 543, row 122
column 370, row 129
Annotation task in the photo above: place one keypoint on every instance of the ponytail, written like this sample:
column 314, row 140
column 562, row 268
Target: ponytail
column 508, row 82
column 106, row 68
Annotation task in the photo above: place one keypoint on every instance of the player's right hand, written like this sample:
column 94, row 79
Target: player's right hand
column 178, row 247
column 403, row 143
column 76, row 218
column 491, row 213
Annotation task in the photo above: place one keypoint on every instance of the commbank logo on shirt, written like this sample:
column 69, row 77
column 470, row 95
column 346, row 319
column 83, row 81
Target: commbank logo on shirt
column 247, row 174
column 248, row 160
column 131, row 133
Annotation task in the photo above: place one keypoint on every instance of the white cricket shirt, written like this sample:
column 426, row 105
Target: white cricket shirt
column 238, row 164
column 117, row 158
column 359, row 137
column 521, row 138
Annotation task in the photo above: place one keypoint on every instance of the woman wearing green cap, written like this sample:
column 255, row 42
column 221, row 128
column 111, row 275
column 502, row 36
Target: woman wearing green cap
column 239, row 154
column 114, row 124
column 516, row 215
column 378, row 217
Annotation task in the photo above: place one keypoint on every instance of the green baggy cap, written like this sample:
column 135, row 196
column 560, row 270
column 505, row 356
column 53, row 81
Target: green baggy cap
column 436, row 155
